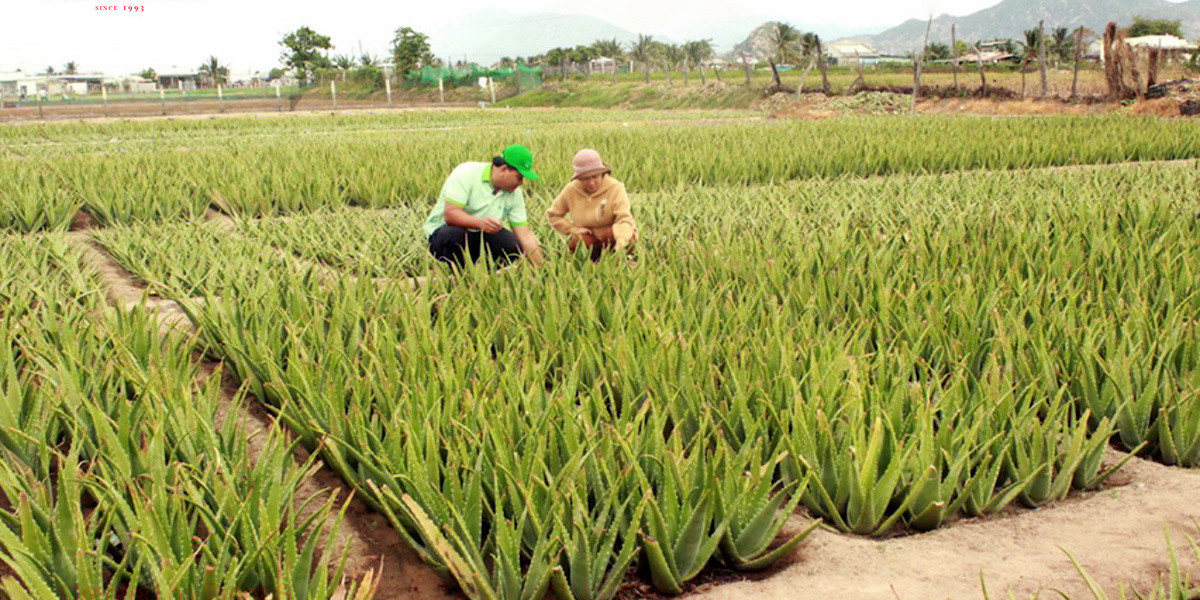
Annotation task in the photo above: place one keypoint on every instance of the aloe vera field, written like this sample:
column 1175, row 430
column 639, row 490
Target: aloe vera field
column 862, row 357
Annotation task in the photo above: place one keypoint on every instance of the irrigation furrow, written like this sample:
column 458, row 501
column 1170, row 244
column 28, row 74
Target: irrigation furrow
column 373, row 548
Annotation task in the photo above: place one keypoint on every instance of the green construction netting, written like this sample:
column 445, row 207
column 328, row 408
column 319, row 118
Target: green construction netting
column 526, row 77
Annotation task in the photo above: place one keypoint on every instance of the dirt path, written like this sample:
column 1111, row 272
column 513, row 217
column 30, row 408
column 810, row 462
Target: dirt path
column 374, row 548
column 1117, row 535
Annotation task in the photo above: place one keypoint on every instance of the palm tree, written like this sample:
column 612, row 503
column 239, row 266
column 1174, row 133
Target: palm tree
column 810, row 47
column 367, row 60
column 214, row 71
column 672, row 55
column 343, row 63
column 1029, row 50
column 611, row 49
column 697, row 52
column 784, row 47
column 1062, row 45
column 642, row 51
column 583, row 55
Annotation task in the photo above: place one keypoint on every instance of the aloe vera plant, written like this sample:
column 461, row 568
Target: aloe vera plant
column 918, row 354
column 757, row 512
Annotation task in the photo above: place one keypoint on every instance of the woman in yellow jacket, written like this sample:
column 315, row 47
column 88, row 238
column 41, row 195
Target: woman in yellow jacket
column 598, row 208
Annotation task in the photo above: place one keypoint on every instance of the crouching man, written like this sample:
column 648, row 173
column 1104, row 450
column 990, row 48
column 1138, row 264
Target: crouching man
column 476, row 202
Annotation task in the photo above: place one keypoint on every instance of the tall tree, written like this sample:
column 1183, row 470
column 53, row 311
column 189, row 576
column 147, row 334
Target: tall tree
column 410, row 50
column 581, row 55
column 784, row 47
column 149, row 74
column 1062, row 45
column 610, row 48
column 937, row 51
column 302, row 52
column 1029, row 51
column 70, row 68
column 810, row 47
column 642, row 51
column 699, row 51
column 343, row 63
column 1144, row 26
column 214, row 72
column 672, row 55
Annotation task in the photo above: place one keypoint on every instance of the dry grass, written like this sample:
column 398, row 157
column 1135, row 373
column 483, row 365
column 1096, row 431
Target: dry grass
column 1161, row 107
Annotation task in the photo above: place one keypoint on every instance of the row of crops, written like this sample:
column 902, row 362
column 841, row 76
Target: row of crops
column 127, row 182
column 892, row 354
column 117, row 478
column 64, row 137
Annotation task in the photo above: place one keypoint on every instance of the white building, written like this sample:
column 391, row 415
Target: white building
column 602, row 64
column 21, row 85
column 1168, row 44
column 1161, row 42
column 850, row 53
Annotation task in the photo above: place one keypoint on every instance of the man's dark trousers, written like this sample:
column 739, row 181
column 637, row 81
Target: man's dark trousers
column 452, row 244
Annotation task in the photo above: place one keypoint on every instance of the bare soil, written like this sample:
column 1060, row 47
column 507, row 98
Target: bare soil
column 1117, row 535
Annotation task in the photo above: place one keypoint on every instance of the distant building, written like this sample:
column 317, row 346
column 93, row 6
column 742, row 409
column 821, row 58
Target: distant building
column 1162, row 42
column 178, row 81
column 139, row 85
column 86, row 83
column 996, row 46
column 20, row 85
column 1168, row 44
column 988, row 58
column 29, row 85
column 852, row 54
column 602, row 64
column 716, row 63
column 255, row 79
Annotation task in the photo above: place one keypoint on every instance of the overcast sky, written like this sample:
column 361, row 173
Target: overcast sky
column 244, row 34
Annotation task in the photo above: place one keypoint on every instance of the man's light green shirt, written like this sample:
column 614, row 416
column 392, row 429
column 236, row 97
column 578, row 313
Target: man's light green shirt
column 469, row 186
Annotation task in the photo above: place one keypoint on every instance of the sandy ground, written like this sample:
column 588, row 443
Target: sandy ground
column 1117, row 535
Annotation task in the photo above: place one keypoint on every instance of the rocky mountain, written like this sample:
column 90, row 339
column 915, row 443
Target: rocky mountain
column 757, row 44
column 1012, row 17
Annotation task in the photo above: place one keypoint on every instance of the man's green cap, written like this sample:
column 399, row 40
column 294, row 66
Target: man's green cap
column 520, row 158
